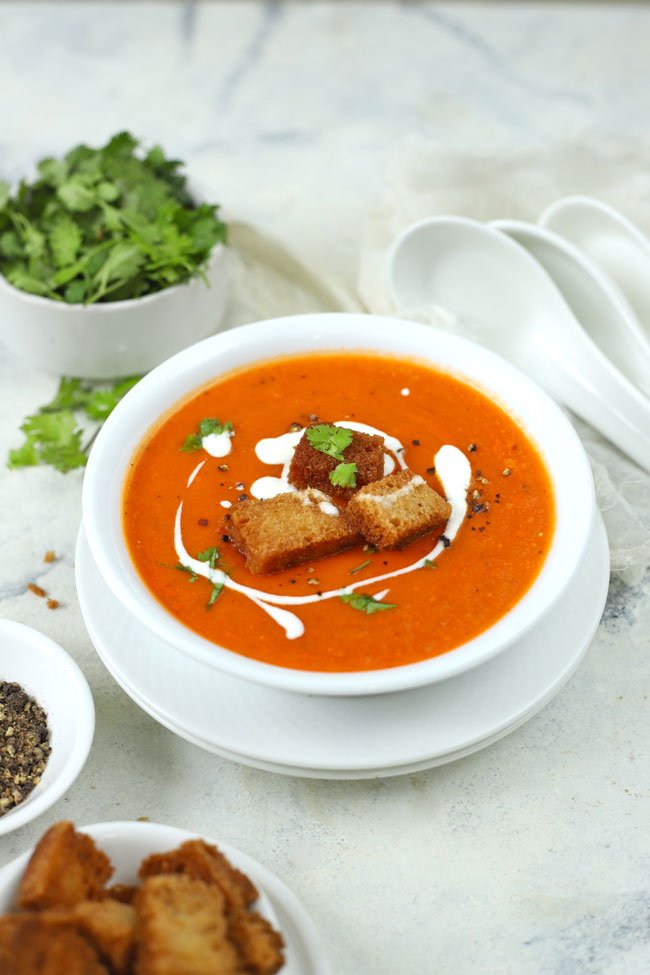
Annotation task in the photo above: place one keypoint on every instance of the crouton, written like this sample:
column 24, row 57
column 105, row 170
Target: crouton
column 201, row 861
column 258, row 944
column 287, row 530
column 110, row 928
column 66, row 867
column 393, row 512
column 310, row 468
column 182, row 928
column 31, row 944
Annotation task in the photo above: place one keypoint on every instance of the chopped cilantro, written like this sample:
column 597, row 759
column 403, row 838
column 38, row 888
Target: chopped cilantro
column 429, row 564
column 214, row 595
column 207, row 426
column 365, row 603
column 105, row 224
column 209, row 555
column 329, row 440
column 344, row 475
column 184, row 568
column 53, row 435
column 358, row 568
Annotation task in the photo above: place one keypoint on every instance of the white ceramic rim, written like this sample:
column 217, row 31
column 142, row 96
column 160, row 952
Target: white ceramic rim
column 191, row 368
column 303, row 942
column 46, row 793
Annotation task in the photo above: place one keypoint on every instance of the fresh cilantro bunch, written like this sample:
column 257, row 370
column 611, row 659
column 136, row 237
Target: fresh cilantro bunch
column 105, row 225
column 54, row 435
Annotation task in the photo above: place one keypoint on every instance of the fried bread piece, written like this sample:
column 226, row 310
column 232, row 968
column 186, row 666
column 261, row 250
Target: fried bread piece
column 312, row 468
column 32, row 944
column 182, row 928
column 110, row 928
column 259, row 945
column 202, row 861
column 393, row 512
column 66, row 867
column 287, row 530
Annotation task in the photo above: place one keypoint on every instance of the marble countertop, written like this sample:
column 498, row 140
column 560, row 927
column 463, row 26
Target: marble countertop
column 530, row 857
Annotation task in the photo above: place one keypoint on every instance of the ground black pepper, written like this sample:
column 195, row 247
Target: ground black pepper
column 24, row 744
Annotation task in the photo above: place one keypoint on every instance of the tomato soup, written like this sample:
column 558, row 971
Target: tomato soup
column 188, row 474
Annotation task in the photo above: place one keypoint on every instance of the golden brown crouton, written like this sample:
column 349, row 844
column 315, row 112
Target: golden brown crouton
column 110, row 928
column 182, row 928
column 287, row 530
column 31, row 944
column 259, row 945
column 66, row 867
column 312, row 468
column 396, row 510
column 201, row 861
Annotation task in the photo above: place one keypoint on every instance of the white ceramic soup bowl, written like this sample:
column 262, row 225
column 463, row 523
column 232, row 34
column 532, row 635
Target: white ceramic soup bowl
column 171, row 382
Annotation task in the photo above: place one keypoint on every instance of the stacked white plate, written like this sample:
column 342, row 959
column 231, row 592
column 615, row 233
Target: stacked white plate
column 347, row 738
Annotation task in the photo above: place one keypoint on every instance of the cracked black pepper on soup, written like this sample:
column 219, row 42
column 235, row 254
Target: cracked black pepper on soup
column 24, row 745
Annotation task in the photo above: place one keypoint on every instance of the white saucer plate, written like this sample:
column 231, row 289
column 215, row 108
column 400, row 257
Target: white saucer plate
column 349, row 738
column 127, row 843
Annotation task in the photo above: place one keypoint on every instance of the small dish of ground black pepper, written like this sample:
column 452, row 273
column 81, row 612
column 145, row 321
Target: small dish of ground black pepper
column 47, row 722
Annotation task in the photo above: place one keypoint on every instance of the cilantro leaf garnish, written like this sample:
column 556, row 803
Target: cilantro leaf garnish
column 209, row 555
column 329, row 440
column 206, row 427
column 214, row 595
column 344, row 475
column 358, row 568
column 54, row 434
column 365, row 603
column 105, row 224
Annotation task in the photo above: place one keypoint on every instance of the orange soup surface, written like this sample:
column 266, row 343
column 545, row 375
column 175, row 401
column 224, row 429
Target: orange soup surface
column 493, row 560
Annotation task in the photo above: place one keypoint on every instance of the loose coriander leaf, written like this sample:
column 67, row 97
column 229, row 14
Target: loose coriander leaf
column 25, row 456
column 214, row 595
column 329, row 439
column 365, row 603
column 101, row 402
column 344, row 475
column 209, row 555
column 76, row 195
column 213, row 425
column 184, row 568
column 193, row 442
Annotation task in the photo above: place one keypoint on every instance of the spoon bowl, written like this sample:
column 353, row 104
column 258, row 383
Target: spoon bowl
column 616, row 245
column 514, row 307
column 594, row 299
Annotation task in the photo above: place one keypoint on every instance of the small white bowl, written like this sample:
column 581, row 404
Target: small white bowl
column 539, row 416
column 127, row 844
column 46, row 672
column 119, row 338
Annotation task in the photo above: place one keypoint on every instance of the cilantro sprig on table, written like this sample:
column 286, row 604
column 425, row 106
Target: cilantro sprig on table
column 333, row 441
column 54, row 434
column 105, row 225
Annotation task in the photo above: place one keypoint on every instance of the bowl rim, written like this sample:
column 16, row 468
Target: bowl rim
column 45, row 794
column 329, row 332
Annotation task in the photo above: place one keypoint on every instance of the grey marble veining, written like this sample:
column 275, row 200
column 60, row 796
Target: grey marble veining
column 530, row 857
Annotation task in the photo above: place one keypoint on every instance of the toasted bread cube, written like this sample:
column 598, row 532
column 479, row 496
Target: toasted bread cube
column 110, row 928
column 201, row 861
column 182, row 928
column 66, row 867
column 258, row 943
column 396, row 510
column 31, row 944
column 287, row 530
column 310, row 468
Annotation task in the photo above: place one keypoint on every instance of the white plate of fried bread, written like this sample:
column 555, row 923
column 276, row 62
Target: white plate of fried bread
column 146, row 899
column 322, row 737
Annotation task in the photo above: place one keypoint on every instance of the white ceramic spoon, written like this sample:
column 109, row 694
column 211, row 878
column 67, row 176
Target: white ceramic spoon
column 594, row 299
column 614, row 243
column 490, row 281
